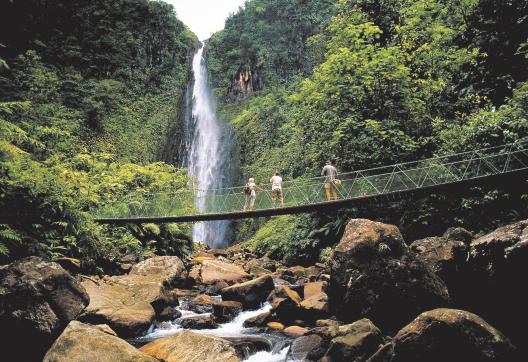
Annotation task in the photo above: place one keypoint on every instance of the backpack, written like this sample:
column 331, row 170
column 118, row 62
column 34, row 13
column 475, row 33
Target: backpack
column 247, row 189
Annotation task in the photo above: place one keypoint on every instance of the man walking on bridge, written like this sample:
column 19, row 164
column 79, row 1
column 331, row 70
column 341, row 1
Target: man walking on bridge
column 330, row 173
column 276, row 189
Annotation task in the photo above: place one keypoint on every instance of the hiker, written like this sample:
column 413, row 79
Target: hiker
column 330, row 173
column 251, row 194
column 276, row 189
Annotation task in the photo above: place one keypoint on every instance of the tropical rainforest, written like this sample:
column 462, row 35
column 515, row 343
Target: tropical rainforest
column 91, row 98
column 89, row 93
column 369, row 83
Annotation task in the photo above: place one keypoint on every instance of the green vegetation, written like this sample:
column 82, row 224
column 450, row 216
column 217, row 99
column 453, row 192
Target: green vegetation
column 89, row 93
column 392, row 81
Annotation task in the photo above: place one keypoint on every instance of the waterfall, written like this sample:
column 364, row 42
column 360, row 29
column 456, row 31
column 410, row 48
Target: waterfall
column 208, row 146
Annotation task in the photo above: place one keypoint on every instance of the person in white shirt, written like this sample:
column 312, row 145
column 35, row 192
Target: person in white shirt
column 330, row 174
column 276, row 189
column 250, row 190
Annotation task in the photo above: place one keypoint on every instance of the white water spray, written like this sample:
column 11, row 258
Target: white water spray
column 208, row 150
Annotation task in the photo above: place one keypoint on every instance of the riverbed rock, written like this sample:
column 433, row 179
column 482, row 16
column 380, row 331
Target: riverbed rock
column 124, row 302
column 315, row 302
column 276, row 326
column 302, row 347
column 191, row 347
column 258, row 320
column 83, row 342
column 202, row 304
column 37, row 300
column 450, row 335
column 251, row 293
column 205, row 321
column 212, row 271
column 168, row 314
column 375, row 275
column 355, row 342
column 295, row 331
column 285, row 304
column 248, row 345
column 226, row 311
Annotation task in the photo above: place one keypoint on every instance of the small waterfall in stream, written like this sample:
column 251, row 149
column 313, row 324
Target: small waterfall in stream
column 208, row 147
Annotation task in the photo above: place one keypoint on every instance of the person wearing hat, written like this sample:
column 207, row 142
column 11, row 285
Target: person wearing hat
column 330, row 174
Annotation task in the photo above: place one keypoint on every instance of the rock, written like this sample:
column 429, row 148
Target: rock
column 166, row 299
column 216, row 287
column 251, row 294
column 458, row 233
column 315, row 303
column 295, row 331
column 375, row 275
column 70, row 264
column 285, row 304
column 205, row 321
column 327, row 323
column 299, row 274
column 37, row 301
column 275, row 326
column 212, row 271
column 445, row 257
column 450, row 335
column 168, row 314
column 202, row 304
column 355, row 342
column 258, row 320
column 82, row 342
column 259, row 265
column 191, row 347
column 493, row 280
column 124, row 302
column 226, row 311
column 248, row 345
column 302, row 347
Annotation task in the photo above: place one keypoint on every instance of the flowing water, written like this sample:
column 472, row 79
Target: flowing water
column 235, row 328
column 208, row 147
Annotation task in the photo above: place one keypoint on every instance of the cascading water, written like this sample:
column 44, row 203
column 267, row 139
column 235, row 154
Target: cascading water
column 209, row 145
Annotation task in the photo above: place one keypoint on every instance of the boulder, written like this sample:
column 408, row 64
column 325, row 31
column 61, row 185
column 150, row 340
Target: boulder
column 251, row 293
column 295, row 331
column 458, row 233
column 302, row 347
column 201, row 304
column 450, row 335
column 355, row 342
column 226, row 311
column 446, row 257
column 375, row 275
column 212, row 271
column 205, row 321
column 125, row 302
column 258, row 320
column 315, row 303
column 248, row 345
column 285, row 304
column 493, row 280
column 37, row 301
column 168, row 314
column 83, row 342
column 191, row 347
column 277, row 326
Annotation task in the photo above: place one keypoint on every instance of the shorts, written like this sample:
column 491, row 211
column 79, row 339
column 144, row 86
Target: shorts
column 329, row 185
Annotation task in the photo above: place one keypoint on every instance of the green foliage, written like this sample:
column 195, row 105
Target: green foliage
column 86, row 106
column 267, row 38
column 390, row 81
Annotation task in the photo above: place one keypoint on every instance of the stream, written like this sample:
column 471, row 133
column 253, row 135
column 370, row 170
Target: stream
column 279, row 343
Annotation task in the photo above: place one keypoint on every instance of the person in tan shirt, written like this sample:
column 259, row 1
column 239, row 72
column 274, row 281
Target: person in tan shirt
column 330, row 173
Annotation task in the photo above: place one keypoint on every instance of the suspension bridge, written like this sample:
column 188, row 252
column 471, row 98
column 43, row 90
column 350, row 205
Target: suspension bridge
column 500, row 165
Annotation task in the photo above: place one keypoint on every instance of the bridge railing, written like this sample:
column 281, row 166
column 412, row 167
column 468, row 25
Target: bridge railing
column 357, row 184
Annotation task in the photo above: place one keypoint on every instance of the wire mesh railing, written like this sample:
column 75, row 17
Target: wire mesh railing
column 406, row 176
